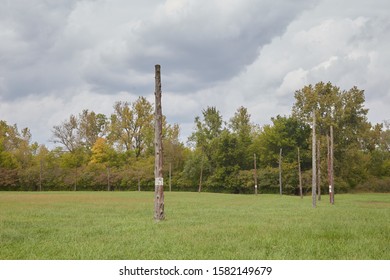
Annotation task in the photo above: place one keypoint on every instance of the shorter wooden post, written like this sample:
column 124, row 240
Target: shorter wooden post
column 300, row 175
column 255, row 172
column 170, row 176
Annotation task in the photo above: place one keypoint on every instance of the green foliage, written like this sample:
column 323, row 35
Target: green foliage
column 97, row 152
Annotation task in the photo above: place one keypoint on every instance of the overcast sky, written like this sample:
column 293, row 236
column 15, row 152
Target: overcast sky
column 58, row 57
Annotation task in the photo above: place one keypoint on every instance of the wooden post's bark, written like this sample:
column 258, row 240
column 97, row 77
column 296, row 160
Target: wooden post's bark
column 313, row 159
column 331, row 167
column 158, row 161
column 280, row 171
column 300, row 175
column 255, row 175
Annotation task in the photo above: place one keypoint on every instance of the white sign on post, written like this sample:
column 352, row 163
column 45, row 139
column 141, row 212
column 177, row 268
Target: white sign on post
column 159, row 181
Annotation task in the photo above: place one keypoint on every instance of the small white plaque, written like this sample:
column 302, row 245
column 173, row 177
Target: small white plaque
column 330, row 188
column 255, row 186
column 159, row 181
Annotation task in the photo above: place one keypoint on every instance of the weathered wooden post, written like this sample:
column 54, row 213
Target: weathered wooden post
column 108, row 179
column 280, row 171
column 300, row 175
column 158, row 161
column 40, row 175
column 255, row 171
column 331, row 187
column 313, row 159
column 201, row 176
column 319, row 169
column 170, row 176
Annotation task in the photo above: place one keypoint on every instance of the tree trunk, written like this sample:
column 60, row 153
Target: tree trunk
column 158, row 161
column 313, row 159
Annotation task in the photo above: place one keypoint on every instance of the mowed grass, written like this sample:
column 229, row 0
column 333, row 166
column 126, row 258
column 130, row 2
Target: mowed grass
column 120, row 225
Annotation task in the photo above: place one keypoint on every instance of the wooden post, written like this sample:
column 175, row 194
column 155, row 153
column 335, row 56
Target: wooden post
column 280, row 171
column 313, row 159
column 139, row 183
column 318, row 170
column 170, row 176
column 40, row 175
column 108, row 179
column 255, row 175
column 331, row 188
column 300, row 175
column 328, row 161
column 158, row 152
column 75, row 181
column 201, row 175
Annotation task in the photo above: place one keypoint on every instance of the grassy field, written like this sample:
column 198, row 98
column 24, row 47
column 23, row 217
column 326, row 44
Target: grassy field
column 120, row 225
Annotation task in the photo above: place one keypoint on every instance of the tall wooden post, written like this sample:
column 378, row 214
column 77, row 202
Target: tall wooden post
column 280, row 171
column 300, row 175
column 328, row 161
column 158, row 151
column 313, row 159
column 255, row 172
column 331, row 187
column 319, row 169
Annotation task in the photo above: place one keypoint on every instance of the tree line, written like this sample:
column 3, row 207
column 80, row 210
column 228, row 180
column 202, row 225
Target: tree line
column 116, row 152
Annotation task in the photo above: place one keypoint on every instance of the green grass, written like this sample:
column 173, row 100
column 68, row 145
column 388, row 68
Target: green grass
column 120, row 225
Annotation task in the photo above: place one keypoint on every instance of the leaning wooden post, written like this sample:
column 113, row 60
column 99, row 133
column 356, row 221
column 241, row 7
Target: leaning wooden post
column 280, row 171
column 313, row 159
column 158, row 151
column 255, row 172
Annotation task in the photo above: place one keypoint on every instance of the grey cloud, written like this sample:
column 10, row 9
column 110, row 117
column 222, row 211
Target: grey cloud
column 225, row 53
